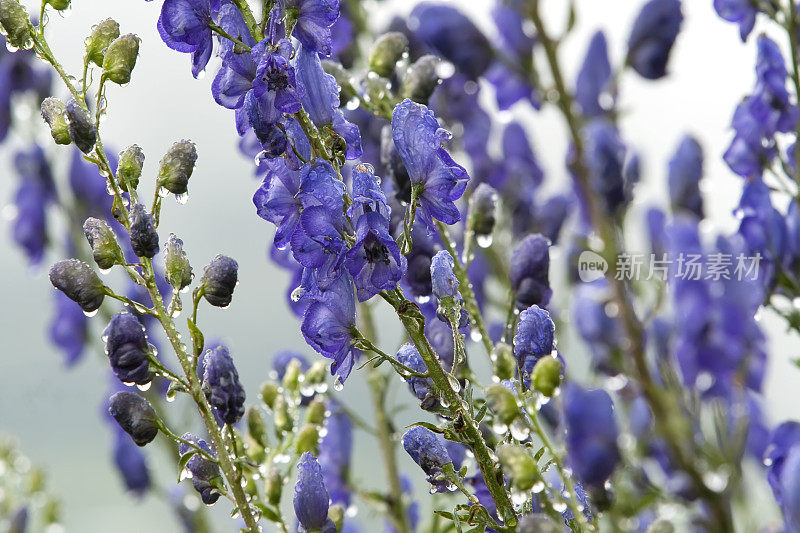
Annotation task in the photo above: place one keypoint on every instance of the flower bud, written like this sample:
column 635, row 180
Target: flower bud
column 443, row 279
column 315, row 412
column 60, row 5
column 386, row 52
column 307, row 440
column 269, row 393
column 482, row 210
column 519, row 464
column 203, row 471
column 80, row 126
column 219, row 279
column 120, row 58
column 336, row 514
column 144, row 238
column 178, row 271
column 316, row 374
column 53, row 113
column 505, row 365
column 311, row 498
column 502, row 403
column 102, row 35
column 547, row 375
column 135, row 415
column 538, row 523
column 176, row 167
column 273, row 486
column 15, row 23
column 291, row 376
column 105, row 250
column 221, row 385
column 129, row 168
column 256, row 426
column 420, row 79
column 427, row 449
column 79, row 283
column 127, row 349
column 280, row 416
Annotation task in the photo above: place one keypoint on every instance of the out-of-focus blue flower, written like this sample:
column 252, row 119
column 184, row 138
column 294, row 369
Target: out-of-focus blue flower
column 599, row 331
column 529, row 272
column 335, row 450
column 184, row 25
column 418, row 274
column 535, row 336
column 221, row 385
column 127, row 348
column 131, row 463
column 782, row 458
column 419, row 139
column 591, row 434
column 19, row 72
column 685, row 173
column 652, row 36
column 512, row 85
column 742, row 12
column 68, row 328
column 440, row 335
column 763, row 228
column 605, row 157
column 321, row 100
column 31, row 199
column 412, row 511
column 594, row 77
column 314, row 20
column 281, row 360
column 311, row 497
column 790, row 490
column 427, row 449
column 203, row 471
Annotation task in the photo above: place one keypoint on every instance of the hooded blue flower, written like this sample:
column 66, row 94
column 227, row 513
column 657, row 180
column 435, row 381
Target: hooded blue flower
column 685, row 173
column 591, row 434
column 529, row 272
column 19, row 72
column 418, row 138
column 535, row 336
column 311, row 497
column 127, row 349
column 742, row 12
column 31, row 199
column 321, row 101
column 782, row 464
column 184, row 25
column 131, row 463
column 427, row 449
column 593, row 77
column 453, row 36
column 203, row 471
column 605, row 157
column 314, row 20
column 328, row 324
column 68, row 328
column 221, row 385
column 652, row 36
column 763, row 228
column 599, row 331
column 335, row 450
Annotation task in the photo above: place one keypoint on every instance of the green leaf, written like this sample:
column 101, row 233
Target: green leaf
column 183, row 460
column 538, row 455
column 481, row 414
column 428, row 425
column 444, row 514
column 198, row 342
column 268, row 512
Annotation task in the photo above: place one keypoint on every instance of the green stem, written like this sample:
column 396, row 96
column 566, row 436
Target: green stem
column 222, row 33
column 249, row 19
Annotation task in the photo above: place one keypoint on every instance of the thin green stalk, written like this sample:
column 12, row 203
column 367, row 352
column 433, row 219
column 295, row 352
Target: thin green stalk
column 249, row 19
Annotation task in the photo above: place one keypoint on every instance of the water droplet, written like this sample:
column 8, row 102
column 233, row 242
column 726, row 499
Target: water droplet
column 475, row 335
column 182, row 198
column 185, row 474
column 499, row 428
column 281, row 458
column 518, row 498
column 322, row 388
column 90, row 314
column 454, row 382
column 307, row 391
column 176, row 312
column 716, row 480
column 445, row 402
column 520, row 430
column 352, row 104
column 145, row 387
column 484, row 241
column 338, row 385
column 351, row 511
column 423, row 299
column 560, row 507
column 162, row 192
column 538, row 487
column 298, row 293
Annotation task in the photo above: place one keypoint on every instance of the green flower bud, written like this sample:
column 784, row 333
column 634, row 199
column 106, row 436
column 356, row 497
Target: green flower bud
column 254, row 451
column 269, row 393
column 386, row 52
column 307, row 440
column 250, row 487
column 316, row 374
column 315, row 412
column 505, row 364
column 15, row 23
column 53, row 113
column 519, row 464
column 60, row 5
column 502, row 403
column 102, row 35
column 176, row 167
column 105, row 249
column 336, row 514
column 129, row 168
column 177, row 271
column 547, row 375
column 291, row 378
column 420, row 79
column 273, row 486
column 256, row 427
column 482, row 213
column 120, row 58
column 280, row 416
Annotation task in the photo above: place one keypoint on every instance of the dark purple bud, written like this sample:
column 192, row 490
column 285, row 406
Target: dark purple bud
column 221, row 385
column 127, row 349
column 79, row 282
column 529, row 272
column 203, row 471
column 81, row 127
column 311, row 500
column 482, row 213
column 428, row 451
column 219, row 279
column 605, row 157
column 144, row 238
column 135, row 415
column 652, row 37
column 535, row 335
column 685, row 173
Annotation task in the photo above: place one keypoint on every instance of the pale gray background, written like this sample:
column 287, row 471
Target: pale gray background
column 54, row 412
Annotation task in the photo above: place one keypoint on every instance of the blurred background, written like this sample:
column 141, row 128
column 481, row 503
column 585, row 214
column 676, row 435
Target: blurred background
column 55, row 413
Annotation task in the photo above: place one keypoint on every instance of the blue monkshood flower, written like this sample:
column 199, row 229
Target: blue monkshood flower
column 742, row 12
column 131, row 464
column 220, row 278
column 329, row 322
column 275, row 77
column 790, row 489
column 529, row 272
column 456, row 451
column 314, row 20
column 238, row 70
column 20, row 72
column 185, row 26
column 321, row 101
column 453, row 36
column 335, row 450
column 685, row 173
column 599, row 331
column 784, row 440
column 31, row 199
column 443, row 280
column 68, row 328
column 652, row 36
column 89, row 187
column 535, row 336
column 135, row 415
column 203, row 471
column 418, row 274
column 763, row 227
column 418, row 138
column 221, row 385
column 605, row 157
column 127, row 349
column 311, row 499
column 511, row 30
column 512, row 85
column 520, row 168
column 281, row 360
column 342, row 34
column 427, row 449
column 367, row 194
column 420, row 387
column 591, row 434
column 551, row 215
column 593, row 78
